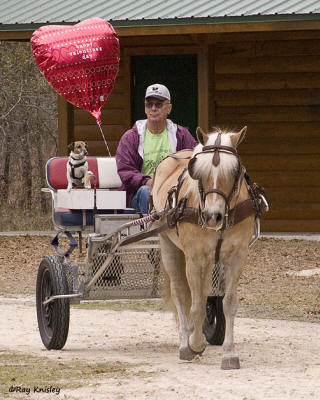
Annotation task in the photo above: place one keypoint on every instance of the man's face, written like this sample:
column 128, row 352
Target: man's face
column 157, row 110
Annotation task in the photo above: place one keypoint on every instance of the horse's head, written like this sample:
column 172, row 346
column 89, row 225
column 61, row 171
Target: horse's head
column 215, row 169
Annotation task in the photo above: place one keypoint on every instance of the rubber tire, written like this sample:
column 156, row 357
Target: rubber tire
column 214, row 326
column 53, row 318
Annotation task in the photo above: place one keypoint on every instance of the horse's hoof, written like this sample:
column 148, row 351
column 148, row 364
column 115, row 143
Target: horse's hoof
column 187, row 354
column 230, row 362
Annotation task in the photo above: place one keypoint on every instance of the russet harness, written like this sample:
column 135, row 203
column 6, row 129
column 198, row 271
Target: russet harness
column 177, row 211
column 74, row 167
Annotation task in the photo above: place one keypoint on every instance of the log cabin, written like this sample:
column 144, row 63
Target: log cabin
column 228, row 64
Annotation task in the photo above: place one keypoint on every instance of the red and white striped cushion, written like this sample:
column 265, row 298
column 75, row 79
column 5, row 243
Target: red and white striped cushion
column 104, row 168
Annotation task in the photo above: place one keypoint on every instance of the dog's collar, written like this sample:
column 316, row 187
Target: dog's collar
column 76, row 159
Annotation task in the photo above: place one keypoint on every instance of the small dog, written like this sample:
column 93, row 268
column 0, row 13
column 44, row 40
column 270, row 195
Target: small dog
column 77, row 166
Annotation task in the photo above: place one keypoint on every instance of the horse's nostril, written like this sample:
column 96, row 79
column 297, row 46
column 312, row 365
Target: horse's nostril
column 218, row 218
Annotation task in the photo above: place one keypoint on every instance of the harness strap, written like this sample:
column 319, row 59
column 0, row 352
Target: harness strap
column 218, row 248
column 237, row 214
column 73, row 167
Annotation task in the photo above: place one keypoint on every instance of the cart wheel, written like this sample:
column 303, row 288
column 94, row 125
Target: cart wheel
column 53, row 318
column 215, row 324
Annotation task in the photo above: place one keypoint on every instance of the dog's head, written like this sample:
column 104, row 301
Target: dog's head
column 78, row 148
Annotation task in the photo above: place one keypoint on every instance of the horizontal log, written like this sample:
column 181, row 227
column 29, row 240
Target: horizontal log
column 261, row 81
column 282, row 131
column 92, row 132
column 298, row 64
column 286, row 97
column 109, row 116
column 120, row 85
column 293, row 225
column 277, row 131
column 286, row 210
column 156, row 40
column 115, row 100
column 243, row 115
column 284, row 194
column 280, row 148
column 279, row 162
column 268, row 48
column 301, row 180
column 98, row 148
column 263, row 36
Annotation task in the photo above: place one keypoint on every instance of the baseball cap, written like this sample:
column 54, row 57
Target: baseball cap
column 158, row 91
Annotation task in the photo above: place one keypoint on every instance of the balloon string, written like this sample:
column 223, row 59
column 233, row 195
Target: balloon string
column 105, row 142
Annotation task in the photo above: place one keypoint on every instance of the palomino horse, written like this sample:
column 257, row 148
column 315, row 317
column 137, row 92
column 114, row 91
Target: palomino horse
column 208, row 183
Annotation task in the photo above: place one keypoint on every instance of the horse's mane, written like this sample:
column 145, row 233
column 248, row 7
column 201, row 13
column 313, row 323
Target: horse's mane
column 204, row 167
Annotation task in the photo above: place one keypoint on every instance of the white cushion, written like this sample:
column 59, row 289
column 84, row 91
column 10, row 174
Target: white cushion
column 108, row 175
column 83, row 199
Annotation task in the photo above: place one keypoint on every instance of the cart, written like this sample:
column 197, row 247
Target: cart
column 122, row 257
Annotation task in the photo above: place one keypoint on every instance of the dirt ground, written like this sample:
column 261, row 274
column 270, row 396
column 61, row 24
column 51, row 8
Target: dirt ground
column 266, row 289
column 276, row 333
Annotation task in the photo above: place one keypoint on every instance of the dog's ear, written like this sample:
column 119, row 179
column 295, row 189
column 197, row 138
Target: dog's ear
column 71, row 146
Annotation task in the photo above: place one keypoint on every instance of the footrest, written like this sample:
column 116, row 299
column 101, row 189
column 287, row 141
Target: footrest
column 72, row 244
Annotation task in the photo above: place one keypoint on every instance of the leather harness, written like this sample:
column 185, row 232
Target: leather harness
column 178, row 212
column 73, row 168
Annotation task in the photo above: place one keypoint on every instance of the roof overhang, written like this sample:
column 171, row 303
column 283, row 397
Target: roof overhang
column 176, row 26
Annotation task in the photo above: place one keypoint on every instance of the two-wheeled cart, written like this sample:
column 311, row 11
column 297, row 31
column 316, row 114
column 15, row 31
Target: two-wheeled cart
column 122, row 254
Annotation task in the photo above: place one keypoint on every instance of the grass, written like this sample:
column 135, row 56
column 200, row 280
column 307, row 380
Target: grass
column 29, row 372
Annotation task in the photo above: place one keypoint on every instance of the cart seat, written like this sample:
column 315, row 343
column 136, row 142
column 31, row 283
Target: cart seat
column 74, row 210
column 104, row 168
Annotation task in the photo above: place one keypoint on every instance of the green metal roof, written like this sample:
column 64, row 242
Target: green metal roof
column 29, row 14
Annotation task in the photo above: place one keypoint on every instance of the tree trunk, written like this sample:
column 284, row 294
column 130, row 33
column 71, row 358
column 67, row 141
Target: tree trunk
column 26, row 179
column 5, row 164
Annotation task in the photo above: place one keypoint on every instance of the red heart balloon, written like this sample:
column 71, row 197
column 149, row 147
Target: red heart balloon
column 80, row 62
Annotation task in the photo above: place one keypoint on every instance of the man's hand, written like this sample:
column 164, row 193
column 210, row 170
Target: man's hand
column 149, row 182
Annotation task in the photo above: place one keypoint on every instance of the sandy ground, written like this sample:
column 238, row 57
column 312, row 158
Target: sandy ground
column 279, row 359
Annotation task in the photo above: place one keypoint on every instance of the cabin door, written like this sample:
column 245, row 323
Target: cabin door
column 179, row 74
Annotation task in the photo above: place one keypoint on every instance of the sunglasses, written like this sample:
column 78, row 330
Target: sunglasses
column 157, row 104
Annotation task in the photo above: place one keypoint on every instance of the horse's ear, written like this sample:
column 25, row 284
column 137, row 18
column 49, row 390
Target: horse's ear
column 238, row 137
column 201, row 136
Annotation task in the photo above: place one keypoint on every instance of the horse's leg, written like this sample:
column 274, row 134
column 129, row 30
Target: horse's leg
column 233, row 266
column 198, row 275
column 174, row 265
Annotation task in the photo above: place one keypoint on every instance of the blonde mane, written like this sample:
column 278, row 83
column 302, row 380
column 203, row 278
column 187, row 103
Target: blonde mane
column 204, row 168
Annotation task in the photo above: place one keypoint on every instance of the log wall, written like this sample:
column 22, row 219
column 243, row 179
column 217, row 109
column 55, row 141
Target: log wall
column 273, row 87
column 268, row 81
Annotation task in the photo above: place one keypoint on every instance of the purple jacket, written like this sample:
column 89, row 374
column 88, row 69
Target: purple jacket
column 129, row 155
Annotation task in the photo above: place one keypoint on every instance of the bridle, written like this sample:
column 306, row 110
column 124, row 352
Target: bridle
column 216, row 149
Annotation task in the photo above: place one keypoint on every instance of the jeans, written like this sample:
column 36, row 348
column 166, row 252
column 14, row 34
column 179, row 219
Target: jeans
column 139, row 200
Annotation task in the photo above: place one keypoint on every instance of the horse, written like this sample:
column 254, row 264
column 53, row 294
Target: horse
column 203, row 191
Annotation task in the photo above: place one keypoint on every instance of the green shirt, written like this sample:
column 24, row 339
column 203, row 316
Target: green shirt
column 156, row 148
